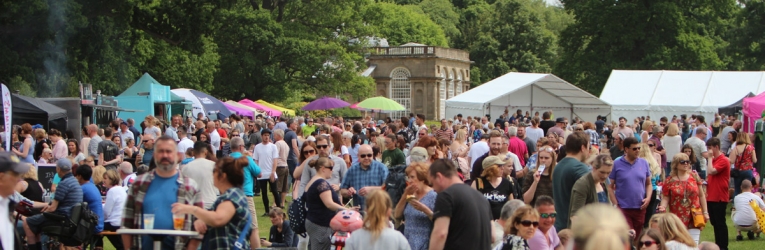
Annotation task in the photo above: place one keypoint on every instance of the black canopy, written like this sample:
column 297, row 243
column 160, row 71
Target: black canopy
column 734, row 108
column 35, row 111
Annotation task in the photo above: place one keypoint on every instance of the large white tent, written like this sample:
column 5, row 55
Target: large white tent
column 527, row 92
column 658, row 93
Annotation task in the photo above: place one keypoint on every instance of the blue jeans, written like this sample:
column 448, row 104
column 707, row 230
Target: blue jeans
column 743, row 175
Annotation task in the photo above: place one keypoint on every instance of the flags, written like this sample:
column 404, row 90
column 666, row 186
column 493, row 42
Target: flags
column 7, row 116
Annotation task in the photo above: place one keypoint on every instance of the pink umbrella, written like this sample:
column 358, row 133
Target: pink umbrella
column 269, row 111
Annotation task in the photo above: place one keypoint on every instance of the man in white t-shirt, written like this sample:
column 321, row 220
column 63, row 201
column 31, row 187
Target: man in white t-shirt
column 478, row 149
column 200, row 170
column 125, row 133
column 744, row 217
column 185, row 142
column 214, row 137
column 266, row 155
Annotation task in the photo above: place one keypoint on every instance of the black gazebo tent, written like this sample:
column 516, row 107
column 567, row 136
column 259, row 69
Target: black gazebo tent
column 734, row 108
column 35, row 111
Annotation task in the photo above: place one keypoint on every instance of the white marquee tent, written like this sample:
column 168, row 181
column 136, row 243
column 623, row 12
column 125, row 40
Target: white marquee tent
column 658, row 93
column 528, row 92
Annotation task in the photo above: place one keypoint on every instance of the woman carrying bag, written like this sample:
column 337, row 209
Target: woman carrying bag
column 743, row 158
column 683, row 193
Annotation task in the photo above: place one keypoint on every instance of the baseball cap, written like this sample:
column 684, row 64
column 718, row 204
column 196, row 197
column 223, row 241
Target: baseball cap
column 380, row 122
column 36, row 126
column 560, row 120
column 64, row 165
column 10, row 162
column 265, row 131
column 491, row 161
column 419, row 151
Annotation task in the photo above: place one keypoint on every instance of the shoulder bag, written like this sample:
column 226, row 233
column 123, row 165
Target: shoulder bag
column 697, row 215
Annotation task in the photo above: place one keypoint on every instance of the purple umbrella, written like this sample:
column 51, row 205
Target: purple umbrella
column 325, row 103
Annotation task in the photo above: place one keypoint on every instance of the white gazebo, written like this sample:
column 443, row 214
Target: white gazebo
column 658, row 93
column 528, row 92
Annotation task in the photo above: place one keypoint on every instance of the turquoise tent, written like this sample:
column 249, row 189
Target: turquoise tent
column 148, row 97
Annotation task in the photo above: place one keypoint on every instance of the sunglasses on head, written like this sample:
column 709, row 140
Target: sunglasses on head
column 322, row 146
column 365, row 156
column 684, row 162
column 647, row 243
column 528, row 223
column 310, row 151
column 548, row 215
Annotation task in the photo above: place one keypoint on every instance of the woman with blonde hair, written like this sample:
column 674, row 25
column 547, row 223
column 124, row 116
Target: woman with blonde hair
column 113, row 206
column 672, row 143
column 416, row 206
column 376, row 233
column 600, row 227
column 521, row 227
column 496, row 189
column 743, row 157
column 647, row 126
column 673, row 231
column 540, row 183
column 322, row 203
column 648, row 153
column 98, row 179
column 29, row 186
column 683, row 191
column 459, row 149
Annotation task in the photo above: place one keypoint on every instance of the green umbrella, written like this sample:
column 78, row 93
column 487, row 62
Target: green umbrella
column 381, row 103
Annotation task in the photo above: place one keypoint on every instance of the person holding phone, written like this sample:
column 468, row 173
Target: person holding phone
column 540, row 183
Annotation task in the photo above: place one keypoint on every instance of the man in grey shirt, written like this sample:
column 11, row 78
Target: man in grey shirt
column 338, row 172
column 94, row 141
column 724, row 142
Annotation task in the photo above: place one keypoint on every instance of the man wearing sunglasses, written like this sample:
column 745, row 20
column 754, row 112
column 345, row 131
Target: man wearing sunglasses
column 338, row 171
column 363, row 177
column 631, row 185
column 544, row 238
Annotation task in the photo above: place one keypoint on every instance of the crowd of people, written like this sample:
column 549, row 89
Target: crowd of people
column 521, row 182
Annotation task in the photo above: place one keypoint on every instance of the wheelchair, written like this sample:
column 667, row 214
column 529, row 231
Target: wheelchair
column 75, row 231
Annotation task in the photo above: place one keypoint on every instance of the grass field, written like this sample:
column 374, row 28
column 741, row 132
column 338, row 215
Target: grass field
column 264, row 224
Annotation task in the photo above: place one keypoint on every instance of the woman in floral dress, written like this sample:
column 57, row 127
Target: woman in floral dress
column 682, row 191
column 417, row 211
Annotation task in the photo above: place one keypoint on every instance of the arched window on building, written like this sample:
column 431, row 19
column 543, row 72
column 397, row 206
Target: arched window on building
column 401, row 90
column 460, row 85
column 442, row 95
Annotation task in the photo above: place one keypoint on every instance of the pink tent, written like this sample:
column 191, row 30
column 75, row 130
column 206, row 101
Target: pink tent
column 752, row 109
column 269, row 111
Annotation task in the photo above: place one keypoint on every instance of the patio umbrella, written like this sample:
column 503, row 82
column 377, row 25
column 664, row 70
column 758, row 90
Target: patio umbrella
column 325, row 103
column 202, row 103
column 381, row 103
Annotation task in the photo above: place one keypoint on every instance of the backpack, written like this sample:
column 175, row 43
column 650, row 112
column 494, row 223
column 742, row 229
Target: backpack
column 297, row 213
column 395, row 183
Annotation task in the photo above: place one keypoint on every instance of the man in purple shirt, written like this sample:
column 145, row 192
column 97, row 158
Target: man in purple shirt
column 545, row 236
column 631, row 183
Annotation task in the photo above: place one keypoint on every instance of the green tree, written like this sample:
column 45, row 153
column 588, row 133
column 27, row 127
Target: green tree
column 749, row 40
column 676, row 35
column 443, row 13
column 404, row 24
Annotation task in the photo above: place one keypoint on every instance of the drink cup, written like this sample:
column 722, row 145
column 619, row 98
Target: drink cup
column 148, row 221
column 178, row 220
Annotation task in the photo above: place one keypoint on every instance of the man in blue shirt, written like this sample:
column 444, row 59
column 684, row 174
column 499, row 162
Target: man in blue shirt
column 363, row 177
column 90, row 194
column 68, row 193
column 251, row 173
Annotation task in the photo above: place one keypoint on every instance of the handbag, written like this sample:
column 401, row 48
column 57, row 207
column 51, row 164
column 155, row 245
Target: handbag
column 243, row 235
column 697, row 216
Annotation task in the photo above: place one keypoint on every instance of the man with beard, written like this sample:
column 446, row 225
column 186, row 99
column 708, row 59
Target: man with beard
column 567, row 172
column 154, row 193
column 495, row 148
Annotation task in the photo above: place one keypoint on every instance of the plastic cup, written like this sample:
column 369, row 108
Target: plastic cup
column 148, row 221
column 178, row 220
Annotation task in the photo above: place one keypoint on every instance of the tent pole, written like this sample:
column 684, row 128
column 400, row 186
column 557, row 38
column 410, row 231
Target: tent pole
column 531, row 102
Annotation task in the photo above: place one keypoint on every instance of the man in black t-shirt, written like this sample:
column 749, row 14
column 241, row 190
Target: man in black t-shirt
column 108, row 152
column 461, row 215
column 546, row 122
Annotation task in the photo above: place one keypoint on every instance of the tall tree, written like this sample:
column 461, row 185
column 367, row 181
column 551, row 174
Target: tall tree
column 443, row 13
column 632, row 34
column 402, row 24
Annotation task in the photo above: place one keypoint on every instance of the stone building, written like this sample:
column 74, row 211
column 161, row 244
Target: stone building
column 420, row 77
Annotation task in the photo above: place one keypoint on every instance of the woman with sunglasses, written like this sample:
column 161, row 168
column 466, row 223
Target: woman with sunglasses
column 520, row 228
column 682, row 192
column 540, row 183
column 650, row 239
column 322, row 202
column 690, row 152
column 674, row 232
